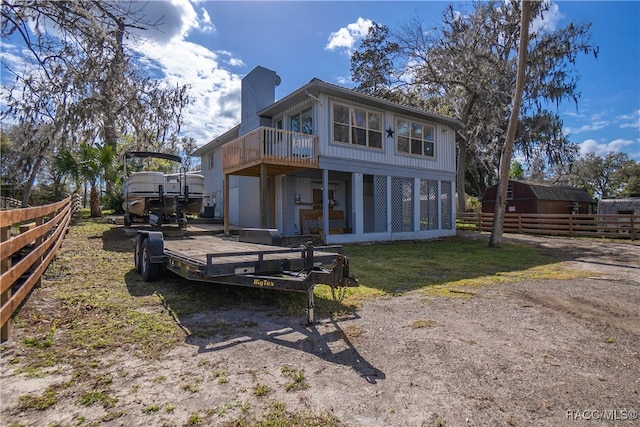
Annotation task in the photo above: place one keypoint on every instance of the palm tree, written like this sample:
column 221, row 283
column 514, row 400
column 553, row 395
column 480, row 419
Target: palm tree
column 87, row 165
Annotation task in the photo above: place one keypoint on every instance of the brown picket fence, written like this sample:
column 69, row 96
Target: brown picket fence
column 29, row 241
column 619, row 226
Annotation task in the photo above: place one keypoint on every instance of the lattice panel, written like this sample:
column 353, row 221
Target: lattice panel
column 428, row 205
column 446, row 208
column 380, row 202
column 401, row 204
column 311, row 226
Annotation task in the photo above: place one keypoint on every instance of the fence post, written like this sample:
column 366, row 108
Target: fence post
column 570, row 225
column 39, row 241
column 5, row 331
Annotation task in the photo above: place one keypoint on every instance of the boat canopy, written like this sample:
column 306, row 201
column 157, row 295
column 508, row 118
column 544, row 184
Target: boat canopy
column 143, row 154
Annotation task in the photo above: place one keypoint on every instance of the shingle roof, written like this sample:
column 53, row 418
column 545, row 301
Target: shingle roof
column 558, row 192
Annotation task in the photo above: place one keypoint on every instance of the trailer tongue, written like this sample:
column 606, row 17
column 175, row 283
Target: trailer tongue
column 252, row 261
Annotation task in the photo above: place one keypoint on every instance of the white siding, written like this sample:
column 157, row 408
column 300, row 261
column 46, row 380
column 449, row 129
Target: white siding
column 444, row 159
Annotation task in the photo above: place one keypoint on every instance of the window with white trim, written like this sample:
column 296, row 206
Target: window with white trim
column 354, row 125
column 415, row 137
column 211, row 163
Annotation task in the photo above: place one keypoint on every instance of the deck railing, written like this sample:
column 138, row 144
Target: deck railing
column 25, row 256
column 572, row 225
column 273, row 146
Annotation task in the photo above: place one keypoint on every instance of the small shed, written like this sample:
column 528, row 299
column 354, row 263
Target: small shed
column 537, row 198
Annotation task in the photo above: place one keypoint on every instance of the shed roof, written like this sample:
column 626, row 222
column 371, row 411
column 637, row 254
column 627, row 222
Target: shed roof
column 558, row 192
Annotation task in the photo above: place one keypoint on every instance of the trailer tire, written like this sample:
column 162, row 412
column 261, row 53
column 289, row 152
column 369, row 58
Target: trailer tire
column 137, row 253
column 150, row 272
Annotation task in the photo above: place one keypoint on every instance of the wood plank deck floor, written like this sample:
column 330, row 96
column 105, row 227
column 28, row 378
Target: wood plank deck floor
column 197, row 248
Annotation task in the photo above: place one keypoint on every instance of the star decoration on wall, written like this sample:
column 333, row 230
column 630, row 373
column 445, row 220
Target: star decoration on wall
column 389, row 132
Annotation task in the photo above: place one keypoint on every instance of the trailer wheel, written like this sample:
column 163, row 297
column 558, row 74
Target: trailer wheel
column 137, row 254
column 149, row 271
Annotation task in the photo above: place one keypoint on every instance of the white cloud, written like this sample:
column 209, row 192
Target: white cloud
column 592, row 126
column 207, row 26
column 164, row 21
column 630, row 120
column 549, row 19
column 168, row 20
column 166, row 54
column 214, row 91
column 604, row 148
column 346, row 37
column 344, row 81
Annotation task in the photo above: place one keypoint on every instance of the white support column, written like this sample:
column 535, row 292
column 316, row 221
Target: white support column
column 453, row 205
column 416, row 204
column 389, row 210
column 439, row 205
column 357, row 202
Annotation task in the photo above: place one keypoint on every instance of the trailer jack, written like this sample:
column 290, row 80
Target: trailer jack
column 338, row 279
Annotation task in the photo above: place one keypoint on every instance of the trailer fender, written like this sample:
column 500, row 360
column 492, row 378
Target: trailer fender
column 263, row 236
column 155, row 245
column 150, row 250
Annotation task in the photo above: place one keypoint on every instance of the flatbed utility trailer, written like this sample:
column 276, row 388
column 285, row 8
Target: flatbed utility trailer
column 254, row 260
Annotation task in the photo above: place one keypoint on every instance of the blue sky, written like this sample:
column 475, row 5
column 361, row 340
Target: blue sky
column 212, row 44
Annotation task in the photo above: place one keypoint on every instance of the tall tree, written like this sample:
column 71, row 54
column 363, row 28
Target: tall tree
column 373, row 65
column 615, row 175
column 467, row 67
column 23, row 157
column 507, row 153
column 81, row 79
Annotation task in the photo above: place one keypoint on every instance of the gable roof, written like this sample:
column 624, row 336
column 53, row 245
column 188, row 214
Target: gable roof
column 558, row 192
column 317, row 86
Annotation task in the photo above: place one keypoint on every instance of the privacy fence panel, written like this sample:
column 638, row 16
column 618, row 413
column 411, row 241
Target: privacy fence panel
column 619, row 226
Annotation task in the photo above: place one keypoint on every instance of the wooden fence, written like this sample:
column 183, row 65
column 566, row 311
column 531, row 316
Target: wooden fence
column 571, row 225
column 29, row 240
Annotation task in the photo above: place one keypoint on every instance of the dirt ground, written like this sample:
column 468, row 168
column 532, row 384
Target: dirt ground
column 538, row 353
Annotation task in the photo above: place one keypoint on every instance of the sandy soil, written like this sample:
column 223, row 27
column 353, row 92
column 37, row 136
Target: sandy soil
column 539, row 353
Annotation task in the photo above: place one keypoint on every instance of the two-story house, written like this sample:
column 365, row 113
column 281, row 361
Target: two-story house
column 330, row 160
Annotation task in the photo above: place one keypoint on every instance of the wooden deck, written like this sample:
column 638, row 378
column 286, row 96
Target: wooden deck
column 280, row 150
column 231, row 252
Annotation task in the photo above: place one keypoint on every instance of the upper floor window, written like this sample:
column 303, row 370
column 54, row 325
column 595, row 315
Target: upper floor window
column 211, row 163
column 415, row 137
column 302, row 122
column 357, row 126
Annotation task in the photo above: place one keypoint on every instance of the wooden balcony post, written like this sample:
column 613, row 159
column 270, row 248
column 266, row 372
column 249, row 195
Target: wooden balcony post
column 263, row 195
column 272, row 207
column 226, row 204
